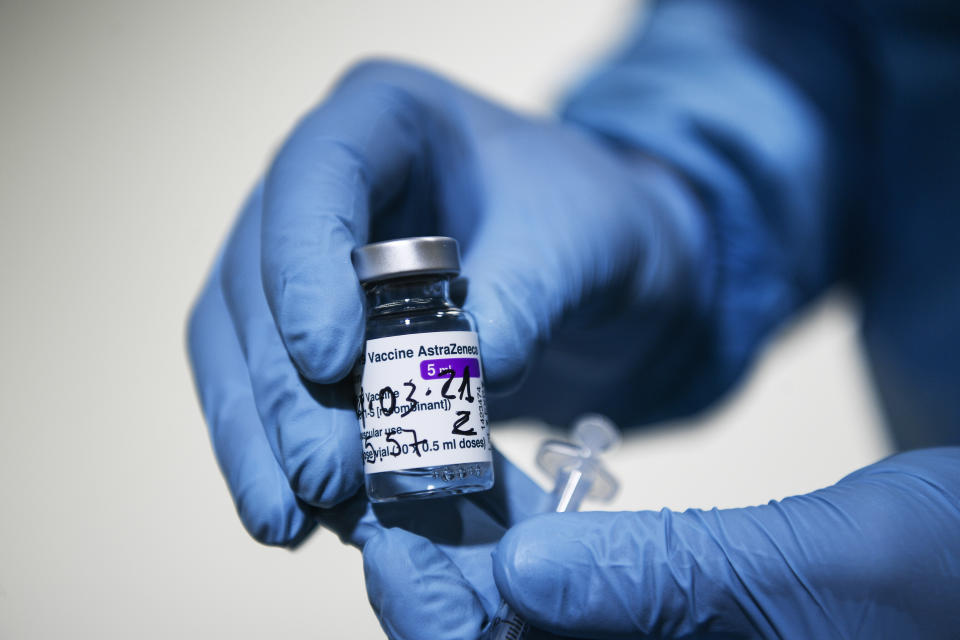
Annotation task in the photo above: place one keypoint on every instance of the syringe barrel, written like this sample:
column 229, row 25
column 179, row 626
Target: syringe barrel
column 573, row 485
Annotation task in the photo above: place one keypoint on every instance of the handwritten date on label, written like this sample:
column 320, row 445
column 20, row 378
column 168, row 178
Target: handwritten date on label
column 422, row 412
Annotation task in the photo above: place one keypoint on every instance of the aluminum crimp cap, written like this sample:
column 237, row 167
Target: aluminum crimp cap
column 406, row 257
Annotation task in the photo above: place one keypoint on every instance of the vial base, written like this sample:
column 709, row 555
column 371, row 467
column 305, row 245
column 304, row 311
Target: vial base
column 429, row 482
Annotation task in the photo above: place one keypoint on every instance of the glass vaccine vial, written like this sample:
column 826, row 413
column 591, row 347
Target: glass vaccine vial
column 419, row 383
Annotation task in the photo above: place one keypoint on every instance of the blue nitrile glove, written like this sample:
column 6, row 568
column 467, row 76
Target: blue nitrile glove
column 551, row 221
column 451, row 539
column 438, row 553
column 875, row 556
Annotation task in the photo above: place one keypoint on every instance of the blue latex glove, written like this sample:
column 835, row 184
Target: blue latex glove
column 875, row 556
column 551, row 221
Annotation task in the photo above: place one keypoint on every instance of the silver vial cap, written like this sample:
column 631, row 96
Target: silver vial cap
column 406, row 257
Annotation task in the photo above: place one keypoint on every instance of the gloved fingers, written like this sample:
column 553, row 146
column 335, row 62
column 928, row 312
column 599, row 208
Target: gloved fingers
column 311, row 429
column 467, row 528
column 351, row 155
column 585, row 229
column 407, row 545
column 264, row 501
column 611, row 575
column 417, row 591
column 873, row 553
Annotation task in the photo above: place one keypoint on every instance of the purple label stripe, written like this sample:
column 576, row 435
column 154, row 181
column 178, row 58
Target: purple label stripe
column 430, row 369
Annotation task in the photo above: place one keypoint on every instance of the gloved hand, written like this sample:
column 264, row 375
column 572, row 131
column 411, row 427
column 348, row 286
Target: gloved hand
column 447, row 543
column 550, row 220
column 875, row 556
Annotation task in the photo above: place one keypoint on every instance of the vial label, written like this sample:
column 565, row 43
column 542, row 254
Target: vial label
column 421, row 402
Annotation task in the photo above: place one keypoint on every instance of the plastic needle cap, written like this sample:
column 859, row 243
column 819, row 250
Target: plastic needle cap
column 576, row 467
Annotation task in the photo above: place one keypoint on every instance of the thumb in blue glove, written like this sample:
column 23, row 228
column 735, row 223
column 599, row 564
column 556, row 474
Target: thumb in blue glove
column 875, row 556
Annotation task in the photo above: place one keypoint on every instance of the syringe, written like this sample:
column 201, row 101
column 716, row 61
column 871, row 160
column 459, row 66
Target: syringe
column 579, row 474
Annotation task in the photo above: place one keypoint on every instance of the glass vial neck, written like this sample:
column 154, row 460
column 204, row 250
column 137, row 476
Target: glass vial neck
column 408, row 294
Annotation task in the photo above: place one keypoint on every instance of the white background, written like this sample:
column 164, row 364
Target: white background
column 129, row 133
